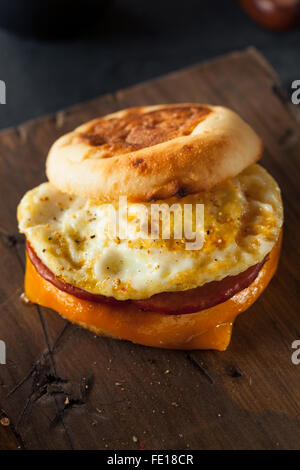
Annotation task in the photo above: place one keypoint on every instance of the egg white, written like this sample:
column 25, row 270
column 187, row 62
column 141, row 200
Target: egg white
column 242, row 221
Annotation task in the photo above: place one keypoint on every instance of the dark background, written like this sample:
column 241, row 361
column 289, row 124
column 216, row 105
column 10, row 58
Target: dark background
column 135, row 40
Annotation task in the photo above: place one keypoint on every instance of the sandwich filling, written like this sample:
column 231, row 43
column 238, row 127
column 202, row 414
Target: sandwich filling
column 175, row 303
column 70, row 237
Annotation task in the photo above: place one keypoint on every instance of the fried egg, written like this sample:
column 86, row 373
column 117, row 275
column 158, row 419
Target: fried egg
column 73, row 237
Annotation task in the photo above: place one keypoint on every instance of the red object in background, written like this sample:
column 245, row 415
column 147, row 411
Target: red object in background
column 278, row 15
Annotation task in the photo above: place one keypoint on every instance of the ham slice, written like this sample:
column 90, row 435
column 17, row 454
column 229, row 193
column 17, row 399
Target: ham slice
column 172, row 303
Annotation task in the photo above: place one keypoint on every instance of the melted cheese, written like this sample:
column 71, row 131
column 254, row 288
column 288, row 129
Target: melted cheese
column 71, row 235
column 208, row 329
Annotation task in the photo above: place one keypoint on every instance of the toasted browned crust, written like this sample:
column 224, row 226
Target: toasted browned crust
column 153, row 152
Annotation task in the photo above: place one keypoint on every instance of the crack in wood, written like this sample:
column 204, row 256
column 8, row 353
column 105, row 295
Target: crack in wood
column 234, row 372
column 12, row 242
column 196, row 363
column 53, row 364
column 72, row 401
column 11, row 239
column 46, row 334
column 21, row 382
column 60, row 336
column 45, row 385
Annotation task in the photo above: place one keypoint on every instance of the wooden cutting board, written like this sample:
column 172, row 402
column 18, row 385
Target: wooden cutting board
column 63, row 387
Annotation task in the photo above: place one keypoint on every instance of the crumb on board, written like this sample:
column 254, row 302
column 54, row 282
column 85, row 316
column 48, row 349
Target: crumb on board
column 5, row 421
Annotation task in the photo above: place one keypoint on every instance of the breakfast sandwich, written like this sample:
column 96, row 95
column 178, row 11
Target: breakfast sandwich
column 156, row 226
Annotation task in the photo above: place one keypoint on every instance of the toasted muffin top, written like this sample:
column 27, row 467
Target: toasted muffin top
column 153, row 152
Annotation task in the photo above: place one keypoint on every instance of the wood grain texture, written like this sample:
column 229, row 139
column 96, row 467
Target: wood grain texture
column 64, row 388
